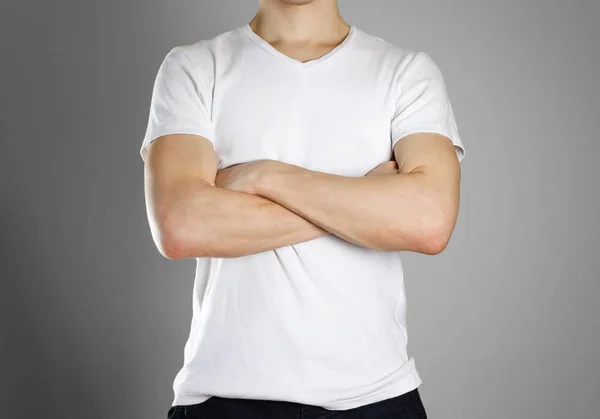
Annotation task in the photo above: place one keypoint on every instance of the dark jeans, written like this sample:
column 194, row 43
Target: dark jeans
column 405, row 406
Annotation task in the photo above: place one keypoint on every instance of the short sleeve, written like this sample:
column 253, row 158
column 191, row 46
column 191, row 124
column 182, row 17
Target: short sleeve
column 179, row 100
column 422, row 103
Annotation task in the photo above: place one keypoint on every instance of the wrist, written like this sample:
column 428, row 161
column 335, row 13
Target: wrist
column 272, row 176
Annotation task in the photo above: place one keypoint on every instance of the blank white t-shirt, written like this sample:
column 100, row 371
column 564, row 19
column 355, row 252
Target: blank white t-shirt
column 321, row 322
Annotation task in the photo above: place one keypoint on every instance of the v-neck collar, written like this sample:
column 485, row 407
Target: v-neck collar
column 269, row 48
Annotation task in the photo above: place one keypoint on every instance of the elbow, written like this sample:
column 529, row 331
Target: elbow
column 175, row 247
column 167, row 242
column 171, row 248
column 434, row 237
column 436, row 229
column 179, row 241
column 174, row 241
column 431, row 239
column 434, row 243
column 428, row 231
column 430, row 243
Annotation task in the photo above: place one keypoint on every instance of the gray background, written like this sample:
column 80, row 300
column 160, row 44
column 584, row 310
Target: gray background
column 504, row 323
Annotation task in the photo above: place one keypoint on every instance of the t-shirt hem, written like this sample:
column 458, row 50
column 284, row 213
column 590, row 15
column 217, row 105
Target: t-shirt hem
column 402, row 387
column 408, row 383
column 183, row 399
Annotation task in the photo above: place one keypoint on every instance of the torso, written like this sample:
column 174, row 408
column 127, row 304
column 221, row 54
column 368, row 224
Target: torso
column 320, row 322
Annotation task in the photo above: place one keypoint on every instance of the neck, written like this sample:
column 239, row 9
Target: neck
column 314, row 23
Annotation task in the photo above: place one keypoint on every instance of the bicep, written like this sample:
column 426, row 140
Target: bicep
column 434, row 158
column 174, row 156
column 173, row 162
column 427, row 149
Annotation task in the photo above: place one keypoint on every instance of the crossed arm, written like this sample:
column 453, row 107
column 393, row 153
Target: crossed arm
column 196, row 211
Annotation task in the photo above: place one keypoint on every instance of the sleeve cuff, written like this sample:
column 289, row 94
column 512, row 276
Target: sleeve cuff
column 438, row 129
column 150, row 137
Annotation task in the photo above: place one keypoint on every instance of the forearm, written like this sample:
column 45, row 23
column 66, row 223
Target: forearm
column 205, row 220
column 392, row 212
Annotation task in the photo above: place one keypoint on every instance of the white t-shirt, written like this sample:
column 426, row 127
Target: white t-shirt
column 321, row 322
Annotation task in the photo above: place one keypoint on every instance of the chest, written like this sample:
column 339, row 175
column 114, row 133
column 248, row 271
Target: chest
column 332, row 120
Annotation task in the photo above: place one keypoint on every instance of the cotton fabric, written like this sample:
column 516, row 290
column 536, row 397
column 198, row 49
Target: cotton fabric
column 321, row 322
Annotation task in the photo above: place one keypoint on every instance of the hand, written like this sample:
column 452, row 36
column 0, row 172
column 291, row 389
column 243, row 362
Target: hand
column 243, row 177
column 385, row 168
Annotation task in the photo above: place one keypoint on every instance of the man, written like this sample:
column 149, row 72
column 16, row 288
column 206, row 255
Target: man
column 295, row 157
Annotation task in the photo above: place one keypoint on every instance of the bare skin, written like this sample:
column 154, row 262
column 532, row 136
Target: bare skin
column 301, row 29
column 191, row 217
column 195, row 211
column 414, row 209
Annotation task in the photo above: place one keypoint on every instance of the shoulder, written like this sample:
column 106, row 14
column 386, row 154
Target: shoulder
column 401, row 58
column 204, row 53
column 375, row 45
